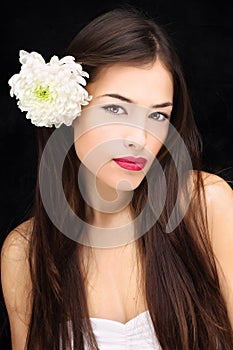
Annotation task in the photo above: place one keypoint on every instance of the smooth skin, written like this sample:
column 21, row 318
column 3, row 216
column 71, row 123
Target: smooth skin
column 111, row 280
column 136, row 128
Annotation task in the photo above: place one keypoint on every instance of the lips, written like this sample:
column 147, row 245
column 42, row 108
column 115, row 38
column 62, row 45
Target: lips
column 131, row 163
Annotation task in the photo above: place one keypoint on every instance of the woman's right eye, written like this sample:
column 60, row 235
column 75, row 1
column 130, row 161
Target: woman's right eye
column 115, row 109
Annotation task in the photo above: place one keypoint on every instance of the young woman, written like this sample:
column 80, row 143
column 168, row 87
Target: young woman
column 140, row 253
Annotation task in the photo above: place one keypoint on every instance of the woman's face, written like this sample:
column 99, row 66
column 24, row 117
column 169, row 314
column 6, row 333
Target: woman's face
column 121, row 131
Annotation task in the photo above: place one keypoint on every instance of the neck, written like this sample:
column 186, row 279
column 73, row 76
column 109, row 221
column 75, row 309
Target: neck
column 106, row 206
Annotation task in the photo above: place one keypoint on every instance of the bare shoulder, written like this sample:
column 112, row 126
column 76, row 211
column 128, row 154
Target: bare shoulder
column 15, row 276
column 219, row 196
column 219, row 204
column 216, row 197
column 16, row 282
column 219, row 200
column 15, row 245
column 214, row 185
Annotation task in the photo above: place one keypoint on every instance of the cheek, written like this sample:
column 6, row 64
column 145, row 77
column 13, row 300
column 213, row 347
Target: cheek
column 95, row 147
column 99, row 139
column 88, row 142
column 154, row 145
column 82, row 145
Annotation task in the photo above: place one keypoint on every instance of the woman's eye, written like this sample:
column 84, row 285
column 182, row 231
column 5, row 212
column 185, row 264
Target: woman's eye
column 114, row 109
column 158, row 116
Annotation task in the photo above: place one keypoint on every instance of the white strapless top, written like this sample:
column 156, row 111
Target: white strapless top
column 136, row 334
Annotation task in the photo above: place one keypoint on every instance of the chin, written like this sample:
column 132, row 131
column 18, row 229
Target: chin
column 125, row 185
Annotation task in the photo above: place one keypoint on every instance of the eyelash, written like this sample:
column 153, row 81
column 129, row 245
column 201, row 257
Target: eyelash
column 164, row 115
column 108, row 109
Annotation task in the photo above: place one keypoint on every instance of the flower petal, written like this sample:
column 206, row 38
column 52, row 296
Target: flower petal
column 50, row 93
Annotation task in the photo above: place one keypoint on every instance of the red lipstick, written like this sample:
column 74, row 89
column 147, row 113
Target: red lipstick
column 131, row 163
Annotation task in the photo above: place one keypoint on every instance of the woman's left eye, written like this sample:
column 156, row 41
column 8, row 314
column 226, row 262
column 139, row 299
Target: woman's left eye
column 158, row 116
column 114, row 109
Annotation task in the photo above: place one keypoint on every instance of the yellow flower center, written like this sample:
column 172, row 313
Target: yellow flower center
column 42, row 93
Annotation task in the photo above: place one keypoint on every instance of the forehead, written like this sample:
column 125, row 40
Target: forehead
column 149, row 83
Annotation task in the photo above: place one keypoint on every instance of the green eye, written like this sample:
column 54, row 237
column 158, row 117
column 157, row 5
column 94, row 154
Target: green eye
column 115, row 109
column 158, row 116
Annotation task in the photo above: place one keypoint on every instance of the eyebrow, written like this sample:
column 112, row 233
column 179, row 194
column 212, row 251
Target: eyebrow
column 125, row 99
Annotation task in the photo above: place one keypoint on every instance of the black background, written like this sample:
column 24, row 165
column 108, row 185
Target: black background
column 202, row 32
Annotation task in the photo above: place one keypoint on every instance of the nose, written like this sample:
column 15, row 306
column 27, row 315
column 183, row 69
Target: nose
column 135, row 138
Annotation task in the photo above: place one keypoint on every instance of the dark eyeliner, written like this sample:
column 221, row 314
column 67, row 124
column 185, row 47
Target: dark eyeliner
column 165, row 115
column 106, row 108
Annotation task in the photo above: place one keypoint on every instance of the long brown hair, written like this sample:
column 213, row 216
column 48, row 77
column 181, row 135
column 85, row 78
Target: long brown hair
column 181, row 282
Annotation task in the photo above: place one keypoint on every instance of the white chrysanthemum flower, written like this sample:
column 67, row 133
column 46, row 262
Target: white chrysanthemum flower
column 50, row 93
